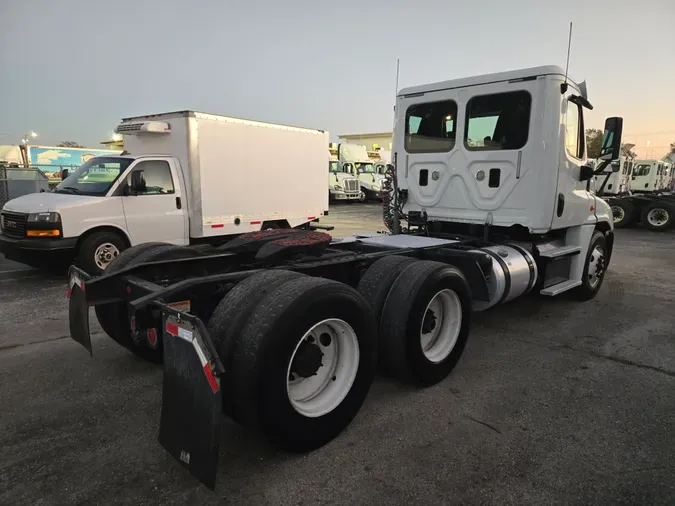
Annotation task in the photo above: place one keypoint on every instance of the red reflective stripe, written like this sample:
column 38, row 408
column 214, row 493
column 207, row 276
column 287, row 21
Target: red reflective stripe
column 219, row 225
column 68, row 292
column 311, row 217
column 256, row 222
column 172, row 329
column 211, row 378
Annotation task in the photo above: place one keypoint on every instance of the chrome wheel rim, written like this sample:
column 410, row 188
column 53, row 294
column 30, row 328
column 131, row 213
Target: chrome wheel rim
column 618, row 214
column 105, row 254
column 596, row 266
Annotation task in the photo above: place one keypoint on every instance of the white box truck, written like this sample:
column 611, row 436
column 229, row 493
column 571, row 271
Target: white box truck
column 186, row 178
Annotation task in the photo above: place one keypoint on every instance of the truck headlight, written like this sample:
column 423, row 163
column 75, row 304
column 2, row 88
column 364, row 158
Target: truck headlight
column 338, row 188
column 44, row 218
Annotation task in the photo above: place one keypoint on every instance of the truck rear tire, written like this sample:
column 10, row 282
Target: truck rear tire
column 304, row 362
column 658, row 216
column 98, row 250
column 113, row 317
column 425, row 323
column 623, row 213
column 231, row 315
column 377, row 280
column 595, row 268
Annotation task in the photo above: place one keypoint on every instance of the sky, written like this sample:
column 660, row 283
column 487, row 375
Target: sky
column 71, row 69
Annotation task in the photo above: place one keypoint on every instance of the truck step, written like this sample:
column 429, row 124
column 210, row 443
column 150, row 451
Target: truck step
column 561, row 252
column 554, row 290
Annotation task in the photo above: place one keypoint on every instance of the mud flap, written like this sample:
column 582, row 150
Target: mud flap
column 191, row 419
column 78, row 309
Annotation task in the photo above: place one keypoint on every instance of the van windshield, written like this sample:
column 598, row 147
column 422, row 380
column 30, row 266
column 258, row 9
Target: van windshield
column 94, row 177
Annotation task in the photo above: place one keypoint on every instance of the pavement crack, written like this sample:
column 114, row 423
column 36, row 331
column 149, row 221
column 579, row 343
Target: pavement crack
column 19, row 345
column 484, row 423
column 623, row 361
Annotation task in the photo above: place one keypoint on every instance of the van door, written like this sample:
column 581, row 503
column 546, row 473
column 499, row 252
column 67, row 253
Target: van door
column 157, row 211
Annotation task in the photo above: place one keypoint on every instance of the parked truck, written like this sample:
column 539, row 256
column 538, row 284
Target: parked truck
column 187, row 178
column 354, row 160
column 342, row 185
column 648, row 199
column 283, row 330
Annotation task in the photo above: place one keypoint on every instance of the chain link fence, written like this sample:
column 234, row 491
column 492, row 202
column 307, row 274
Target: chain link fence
column 16, row 181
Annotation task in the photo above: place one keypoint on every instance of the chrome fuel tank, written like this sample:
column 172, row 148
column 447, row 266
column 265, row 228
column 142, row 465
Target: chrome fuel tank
column 514, row 273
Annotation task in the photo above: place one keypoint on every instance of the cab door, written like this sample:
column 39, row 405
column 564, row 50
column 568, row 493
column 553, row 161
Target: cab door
column 156, row 210
column 574, row 204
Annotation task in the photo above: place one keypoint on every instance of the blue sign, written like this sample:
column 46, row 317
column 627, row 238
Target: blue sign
column 53, row 159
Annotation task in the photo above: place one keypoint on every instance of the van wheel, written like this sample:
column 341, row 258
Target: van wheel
column 425, row 323
column 98, row 250
column 304, row 362
column 233, row 312
column 595, row 268
column 114, row 318
column 658, row 216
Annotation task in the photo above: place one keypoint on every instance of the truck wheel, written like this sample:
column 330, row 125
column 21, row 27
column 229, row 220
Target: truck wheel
column 595, row 268
column 98, row 250
column 623, row 213
column 304, row 362
column 233, row 312
column 114, row 318
column 658, row 216
column 376, row 282
column 425, row 323
column 363, row 195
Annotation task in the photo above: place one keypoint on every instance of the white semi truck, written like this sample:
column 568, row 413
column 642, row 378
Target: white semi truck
column 186, row 178
column 342, row 185
column 648, row 198
column 487, row 200
column 354, row 160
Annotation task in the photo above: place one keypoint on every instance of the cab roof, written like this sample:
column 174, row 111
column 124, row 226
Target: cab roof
column 486, row 78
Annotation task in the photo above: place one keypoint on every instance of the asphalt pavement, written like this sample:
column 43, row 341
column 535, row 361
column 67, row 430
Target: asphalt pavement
column 553, row 402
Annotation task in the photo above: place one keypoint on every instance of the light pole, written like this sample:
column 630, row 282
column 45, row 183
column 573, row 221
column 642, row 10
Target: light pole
column 24, row 141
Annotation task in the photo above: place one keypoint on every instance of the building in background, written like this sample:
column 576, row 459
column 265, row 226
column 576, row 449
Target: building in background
column 371, row 141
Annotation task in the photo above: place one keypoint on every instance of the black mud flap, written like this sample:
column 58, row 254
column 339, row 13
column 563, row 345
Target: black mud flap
column 190, row 424
column 78, row 309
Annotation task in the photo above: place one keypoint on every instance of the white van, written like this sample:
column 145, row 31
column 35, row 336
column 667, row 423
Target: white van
column 186, row 178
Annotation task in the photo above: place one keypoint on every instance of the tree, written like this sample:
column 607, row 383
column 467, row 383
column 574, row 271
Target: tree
column 593, row 142
column 672, row 148
column 69, row 144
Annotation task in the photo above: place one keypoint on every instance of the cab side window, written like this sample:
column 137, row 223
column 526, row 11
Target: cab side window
column 154, row 177
column 574, row 131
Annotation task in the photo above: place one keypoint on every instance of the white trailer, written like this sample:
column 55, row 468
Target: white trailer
column 487, row 199
column 187, row 178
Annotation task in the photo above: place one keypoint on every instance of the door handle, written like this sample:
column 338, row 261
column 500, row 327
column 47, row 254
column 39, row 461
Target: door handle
column 179, row 205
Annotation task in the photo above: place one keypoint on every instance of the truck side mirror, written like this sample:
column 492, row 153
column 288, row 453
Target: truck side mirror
column 611, row 140
column 64, row 174
column 586, row 172
column 616, row 166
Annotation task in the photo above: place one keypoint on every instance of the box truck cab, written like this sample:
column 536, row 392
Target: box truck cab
column 186, row 179
column 354, row 159
column 341, row 184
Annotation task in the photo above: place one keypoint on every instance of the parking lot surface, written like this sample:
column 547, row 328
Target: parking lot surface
column 553, row 401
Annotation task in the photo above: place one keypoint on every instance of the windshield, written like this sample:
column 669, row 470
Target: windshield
column 367, row 168
column 334, row 167
column 94, row 177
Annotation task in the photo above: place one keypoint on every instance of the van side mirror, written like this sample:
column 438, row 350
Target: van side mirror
column 137, row 182
column 586, row 173
column 611, row 140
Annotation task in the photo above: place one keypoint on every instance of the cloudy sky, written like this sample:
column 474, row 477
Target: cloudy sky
column 72, row 68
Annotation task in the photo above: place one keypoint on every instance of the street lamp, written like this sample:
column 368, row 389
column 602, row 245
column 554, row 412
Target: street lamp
column 29, row 135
